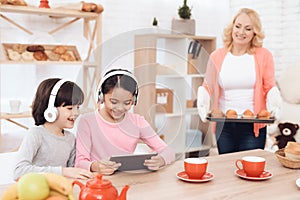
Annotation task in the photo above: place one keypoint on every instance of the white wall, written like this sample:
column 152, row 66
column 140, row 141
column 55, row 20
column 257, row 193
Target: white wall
column 280, row 19
column 121, row 19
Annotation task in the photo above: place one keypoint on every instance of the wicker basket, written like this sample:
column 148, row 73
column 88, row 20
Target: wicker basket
column 287, row 162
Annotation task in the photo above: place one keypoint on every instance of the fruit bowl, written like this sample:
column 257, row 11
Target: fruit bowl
column 287, row 162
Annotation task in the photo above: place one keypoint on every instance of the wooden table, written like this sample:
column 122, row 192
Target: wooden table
column 164, row 184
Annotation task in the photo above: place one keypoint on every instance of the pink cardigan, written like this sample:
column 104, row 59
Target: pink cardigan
column 98, row 139
column 265, row 79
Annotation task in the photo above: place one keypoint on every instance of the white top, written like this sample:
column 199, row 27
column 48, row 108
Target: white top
column 237, row 79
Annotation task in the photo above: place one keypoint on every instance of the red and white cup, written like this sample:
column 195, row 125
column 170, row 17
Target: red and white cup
column 195, row 168
column 253, row 166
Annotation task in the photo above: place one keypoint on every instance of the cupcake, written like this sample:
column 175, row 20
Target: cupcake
column 216, row 113
column 248, row 114
column 263, row 114
column 231, row 113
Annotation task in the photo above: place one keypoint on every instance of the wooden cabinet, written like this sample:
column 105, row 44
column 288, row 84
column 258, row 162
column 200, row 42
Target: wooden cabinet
column 92, row 31
column 174, row 63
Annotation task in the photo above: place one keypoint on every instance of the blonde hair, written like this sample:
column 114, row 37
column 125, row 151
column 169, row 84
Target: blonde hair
column 257, row 40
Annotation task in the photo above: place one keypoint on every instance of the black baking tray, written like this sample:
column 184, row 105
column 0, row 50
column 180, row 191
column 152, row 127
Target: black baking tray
column 240, row 119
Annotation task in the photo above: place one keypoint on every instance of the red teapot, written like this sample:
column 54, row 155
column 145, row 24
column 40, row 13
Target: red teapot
column 100, row 189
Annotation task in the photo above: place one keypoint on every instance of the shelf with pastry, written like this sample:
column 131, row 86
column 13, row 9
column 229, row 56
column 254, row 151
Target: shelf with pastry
column 16, row 52
column 91, row 31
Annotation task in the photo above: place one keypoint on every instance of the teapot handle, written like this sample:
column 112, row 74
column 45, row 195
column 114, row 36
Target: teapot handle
column 76, row 182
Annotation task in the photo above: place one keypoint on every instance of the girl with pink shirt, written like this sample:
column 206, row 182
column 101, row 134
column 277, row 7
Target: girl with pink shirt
column 112, row 130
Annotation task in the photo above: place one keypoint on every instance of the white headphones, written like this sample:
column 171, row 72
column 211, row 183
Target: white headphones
column 51, row 112
column 113, row 73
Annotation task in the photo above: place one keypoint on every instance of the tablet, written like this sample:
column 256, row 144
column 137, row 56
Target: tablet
column 132, row 161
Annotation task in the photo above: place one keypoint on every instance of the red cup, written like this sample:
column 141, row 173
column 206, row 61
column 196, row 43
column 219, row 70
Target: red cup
column 195, row 168
column 252, row 165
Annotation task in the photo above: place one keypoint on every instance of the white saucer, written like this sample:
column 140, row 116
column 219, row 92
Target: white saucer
column 208, row 176
column 298, row 182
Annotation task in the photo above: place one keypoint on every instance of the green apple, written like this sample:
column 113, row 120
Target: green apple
column 33, row 186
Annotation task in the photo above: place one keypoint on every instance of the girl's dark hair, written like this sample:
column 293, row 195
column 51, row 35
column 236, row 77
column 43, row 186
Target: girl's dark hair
column 68, row 94
column 119, row 81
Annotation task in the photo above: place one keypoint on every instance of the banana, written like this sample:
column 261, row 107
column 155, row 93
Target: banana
column 55, row 193
column 11, row 193
column 59, row 183
column 71, row 197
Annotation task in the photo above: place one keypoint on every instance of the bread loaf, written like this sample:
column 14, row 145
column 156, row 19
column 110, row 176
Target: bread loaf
column 292, row 150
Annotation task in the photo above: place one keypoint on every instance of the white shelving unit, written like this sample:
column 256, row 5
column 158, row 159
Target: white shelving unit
column 165, row 61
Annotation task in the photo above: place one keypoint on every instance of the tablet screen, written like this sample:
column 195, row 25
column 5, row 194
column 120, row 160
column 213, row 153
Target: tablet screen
column 132, row 161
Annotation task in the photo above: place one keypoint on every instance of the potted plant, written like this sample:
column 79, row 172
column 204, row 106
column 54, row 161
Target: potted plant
column 185, row 11
column 154, row 22
column 184, row 24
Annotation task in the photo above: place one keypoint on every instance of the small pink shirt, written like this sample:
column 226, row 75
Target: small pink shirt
column 98, row 139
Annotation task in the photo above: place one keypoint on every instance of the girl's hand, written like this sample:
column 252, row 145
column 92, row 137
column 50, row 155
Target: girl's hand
column 105, row 167
column 155, row 162
column 77, row 173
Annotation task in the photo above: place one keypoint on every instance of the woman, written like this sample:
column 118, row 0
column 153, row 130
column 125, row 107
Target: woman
column 240, row 76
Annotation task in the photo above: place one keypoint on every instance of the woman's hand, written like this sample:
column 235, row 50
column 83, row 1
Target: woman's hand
column 77, row 173
column 155, row 162
column 105, row 167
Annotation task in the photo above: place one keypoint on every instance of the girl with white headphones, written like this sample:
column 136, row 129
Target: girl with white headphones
column 113, row 130
column 48, row 147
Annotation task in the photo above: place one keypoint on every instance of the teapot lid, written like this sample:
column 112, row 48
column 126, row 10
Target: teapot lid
column 98, row 183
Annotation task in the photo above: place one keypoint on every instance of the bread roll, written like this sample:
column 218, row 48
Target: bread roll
column 53, row 56
column 231, row 113
column 20, row 48
column 40, row 56
column 217, row 113
column 13, row 55
column 60, row 50
column 67, row 57
column 35, row 48
column 248, row 114
column 263, row 114
column 292, row 150
column 27, row 56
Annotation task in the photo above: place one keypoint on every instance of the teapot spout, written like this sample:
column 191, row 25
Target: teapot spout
column 123, row 193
